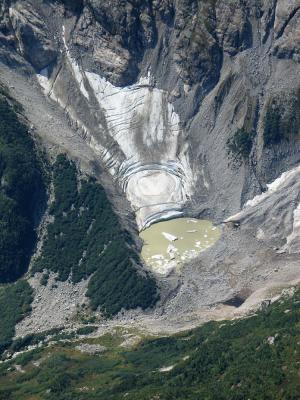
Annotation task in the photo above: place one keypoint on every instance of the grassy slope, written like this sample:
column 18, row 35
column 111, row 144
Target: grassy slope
column 225, row 360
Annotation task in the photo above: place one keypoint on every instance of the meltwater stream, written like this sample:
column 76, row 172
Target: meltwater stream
column 168, row 244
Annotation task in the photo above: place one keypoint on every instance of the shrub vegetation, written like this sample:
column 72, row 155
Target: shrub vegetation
column 273, row 130
column 282, row 120
column 15, row 300
column 251, row 358
column 240, row 144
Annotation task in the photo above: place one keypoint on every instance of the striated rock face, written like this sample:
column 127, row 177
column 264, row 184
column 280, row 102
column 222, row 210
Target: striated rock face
column 33, row 37
column 287, row 31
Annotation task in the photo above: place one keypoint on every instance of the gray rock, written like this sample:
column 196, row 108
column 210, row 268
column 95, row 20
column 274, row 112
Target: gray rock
column 32, row 34
column 91, row 348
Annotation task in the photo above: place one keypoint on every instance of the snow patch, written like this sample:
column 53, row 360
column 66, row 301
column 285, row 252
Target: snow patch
column 43, row 80
column 293, row 240
column 78, row 74
column 278, row 184
column 274, row 186
column 46, row 84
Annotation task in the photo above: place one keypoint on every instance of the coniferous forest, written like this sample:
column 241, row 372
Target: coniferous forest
column 86, row 238
column 22, row 193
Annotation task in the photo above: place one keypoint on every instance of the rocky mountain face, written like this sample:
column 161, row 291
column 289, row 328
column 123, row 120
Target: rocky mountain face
column 179, row 107
column 157, row 88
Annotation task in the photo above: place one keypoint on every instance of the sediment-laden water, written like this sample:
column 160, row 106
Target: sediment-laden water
column 168, row 244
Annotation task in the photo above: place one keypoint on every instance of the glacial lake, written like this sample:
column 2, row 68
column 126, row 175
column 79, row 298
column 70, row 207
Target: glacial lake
column 168, row 244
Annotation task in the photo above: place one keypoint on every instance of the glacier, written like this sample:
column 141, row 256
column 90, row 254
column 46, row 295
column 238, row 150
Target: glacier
column 140, row 141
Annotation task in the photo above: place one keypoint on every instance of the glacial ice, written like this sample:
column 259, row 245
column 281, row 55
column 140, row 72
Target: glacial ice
column 140, row 142
column 169, row 236
column 140, row 118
